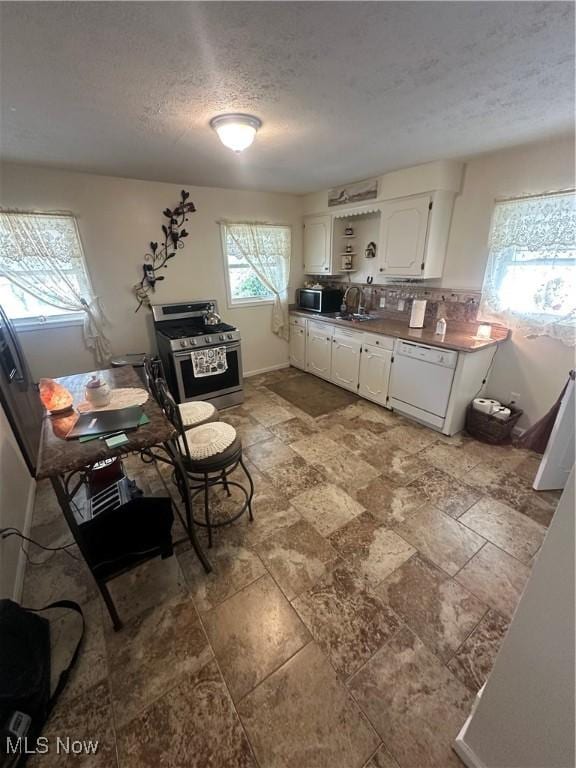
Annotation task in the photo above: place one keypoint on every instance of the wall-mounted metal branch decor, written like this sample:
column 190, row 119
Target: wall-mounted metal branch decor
column 160, row 253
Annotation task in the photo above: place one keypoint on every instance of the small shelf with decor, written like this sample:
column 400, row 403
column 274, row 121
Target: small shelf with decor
column 345, row 262
column 353, row 230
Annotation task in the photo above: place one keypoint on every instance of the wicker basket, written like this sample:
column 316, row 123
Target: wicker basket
column 488, row 428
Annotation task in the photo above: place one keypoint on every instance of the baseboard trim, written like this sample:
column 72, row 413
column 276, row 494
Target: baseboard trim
column 467, row 755
column 460, row 745
column 248, row 374
column 19, row 580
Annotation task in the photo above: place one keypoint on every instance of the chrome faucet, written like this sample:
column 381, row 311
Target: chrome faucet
column 361, row 308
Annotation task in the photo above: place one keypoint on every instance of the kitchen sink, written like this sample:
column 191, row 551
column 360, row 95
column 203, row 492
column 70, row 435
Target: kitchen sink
column 353, row 316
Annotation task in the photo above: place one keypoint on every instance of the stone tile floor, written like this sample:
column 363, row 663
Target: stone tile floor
column 349, row 625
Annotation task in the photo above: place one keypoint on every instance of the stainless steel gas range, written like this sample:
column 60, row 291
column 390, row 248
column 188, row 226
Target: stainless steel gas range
column 181, row 329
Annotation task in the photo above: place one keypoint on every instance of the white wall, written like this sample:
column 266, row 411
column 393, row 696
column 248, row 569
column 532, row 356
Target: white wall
column 117, row 219
column 16, row 502
column 534, row 368
column 525, row 716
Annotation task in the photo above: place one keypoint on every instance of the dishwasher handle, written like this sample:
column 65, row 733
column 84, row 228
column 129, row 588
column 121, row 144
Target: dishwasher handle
column 447, row 358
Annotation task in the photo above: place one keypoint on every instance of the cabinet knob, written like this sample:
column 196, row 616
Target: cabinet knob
column 381, row 269
column 326, row 269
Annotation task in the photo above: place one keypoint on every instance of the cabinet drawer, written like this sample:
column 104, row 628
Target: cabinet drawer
column 301, row 321
column 344, row 334
column 383, row 342
column 323, row 329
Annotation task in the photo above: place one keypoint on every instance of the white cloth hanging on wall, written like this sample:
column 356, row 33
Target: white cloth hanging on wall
column 209, row 362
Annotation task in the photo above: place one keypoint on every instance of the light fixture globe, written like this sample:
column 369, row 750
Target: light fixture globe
column 236, row 131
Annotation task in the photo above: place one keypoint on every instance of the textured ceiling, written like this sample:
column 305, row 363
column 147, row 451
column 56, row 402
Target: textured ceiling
column 345, row 90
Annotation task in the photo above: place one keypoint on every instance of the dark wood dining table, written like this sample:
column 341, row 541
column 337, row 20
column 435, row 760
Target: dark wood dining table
column 66, row 463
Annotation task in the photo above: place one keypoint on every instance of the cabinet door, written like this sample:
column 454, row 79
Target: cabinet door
column 317, row 245
column 319, row 349
column 403, row 230
column 375, row 373
column 345, row 360
column 298, row 346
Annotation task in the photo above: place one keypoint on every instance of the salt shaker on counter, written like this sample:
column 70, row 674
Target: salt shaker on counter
column 441, row 327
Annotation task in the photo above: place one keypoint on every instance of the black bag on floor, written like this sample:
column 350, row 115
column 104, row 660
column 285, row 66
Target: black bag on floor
column 25, row 700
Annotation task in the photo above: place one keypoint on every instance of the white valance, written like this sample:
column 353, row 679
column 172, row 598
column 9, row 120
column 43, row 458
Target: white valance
column 41, row 254
column 530, row 279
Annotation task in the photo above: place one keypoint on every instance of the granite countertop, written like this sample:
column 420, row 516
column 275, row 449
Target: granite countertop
column 460, row 338
column 59, row 456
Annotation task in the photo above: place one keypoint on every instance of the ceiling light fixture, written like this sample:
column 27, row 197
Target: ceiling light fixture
column 236, row 131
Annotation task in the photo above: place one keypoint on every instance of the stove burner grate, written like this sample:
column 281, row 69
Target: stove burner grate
column 190, row 330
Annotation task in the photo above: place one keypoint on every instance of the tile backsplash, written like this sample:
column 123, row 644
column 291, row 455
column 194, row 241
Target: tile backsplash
column 458, row 307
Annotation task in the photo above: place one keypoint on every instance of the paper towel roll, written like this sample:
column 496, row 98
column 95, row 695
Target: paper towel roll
column 417, row 314
column 485, row 405
column 502, row 413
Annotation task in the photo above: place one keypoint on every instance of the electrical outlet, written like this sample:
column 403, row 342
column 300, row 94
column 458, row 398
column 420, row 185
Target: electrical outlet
column 382, row 302
column 515, row 397
column 401, row 303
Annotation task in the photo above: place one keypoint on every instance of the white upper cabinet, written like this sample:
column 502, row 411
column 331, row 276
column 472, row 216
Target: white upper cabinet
column 403, row 230
column 407, row 225
column 318, row 245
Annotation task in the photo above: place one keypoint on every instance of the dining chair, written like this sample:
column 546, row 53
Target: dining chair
column 193, row 413
column 210, row 454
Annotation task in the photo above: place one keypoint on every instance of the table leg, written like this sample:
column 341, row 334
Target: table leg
column 64, row 502
column 116, row 622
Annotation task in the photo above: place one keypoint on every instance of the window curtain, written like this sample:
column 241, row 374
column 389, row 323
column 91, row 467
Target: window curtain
column 530, row 280
column 267, row 248
column 46, row 261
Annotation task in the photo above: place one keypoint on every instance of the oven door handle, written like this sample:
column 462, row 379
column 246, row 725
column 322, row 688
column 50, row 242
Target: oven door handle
column 186, row 353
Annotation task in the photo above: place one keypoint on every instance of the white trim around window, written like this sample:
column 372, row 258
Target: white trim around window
column 29, row 324
column 238, row 303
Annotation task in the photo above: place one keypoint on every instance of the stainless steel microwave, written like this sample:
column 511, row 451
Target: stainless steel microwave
column 320, row 299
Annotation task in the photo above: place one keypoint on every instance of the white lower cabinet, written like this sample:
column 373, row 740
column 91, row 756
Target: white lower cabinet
column 375, row 373
column 345, row 369
column 319, row 349
column 355, row 360
column 298, row 345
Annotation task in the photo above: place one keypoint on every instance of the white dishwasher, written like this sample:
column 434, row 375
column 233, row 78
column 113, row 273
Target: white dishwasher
column 421, row 380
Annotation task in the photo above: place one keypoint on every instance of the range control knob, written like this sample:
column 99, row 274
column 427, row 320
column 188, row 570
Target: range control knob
column 183, row 343
column 221, row 337
column 207, row 339
column 229, row 335
column 193, row 342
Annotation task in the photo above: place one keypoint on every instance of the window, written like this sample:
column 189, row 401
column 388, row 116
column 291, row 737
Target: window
column 43, row 276
column 257, row 258
column 530, row 279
